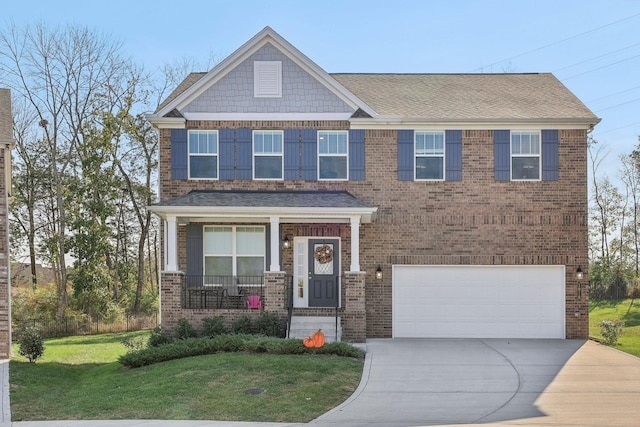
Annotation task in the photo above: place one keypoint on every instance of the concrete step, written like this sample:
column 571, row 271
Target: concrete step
column 304, row 326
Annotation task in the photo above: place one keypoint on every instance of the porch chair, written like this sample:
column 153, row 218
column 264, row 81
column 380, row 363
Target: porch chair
column 233, row 294
column 254, row 302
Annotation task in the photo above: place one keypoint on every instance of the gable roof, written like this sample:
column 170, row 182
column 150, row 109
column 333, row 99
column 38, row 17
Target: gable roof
column 196, row 83
column 394, row 100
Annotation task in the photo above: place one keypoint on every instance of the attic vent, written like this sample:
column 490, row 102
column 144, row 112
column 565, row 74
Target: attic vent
column 267, row 79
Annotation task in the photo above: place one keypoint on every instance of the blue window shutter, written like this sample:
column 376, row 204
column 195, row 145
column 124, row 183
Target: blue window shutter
column 179, row 155
column 194, row 255
column 550, row 155
column 245, row 153
column 502, row 155
column 226, row 160
column 405, row 155
column 453, row 154
column 356, row 155
column 292, row 154
column 309, row 139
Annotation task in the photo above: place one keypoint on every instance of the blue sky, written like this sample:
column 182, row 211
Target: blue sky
column 592, row 46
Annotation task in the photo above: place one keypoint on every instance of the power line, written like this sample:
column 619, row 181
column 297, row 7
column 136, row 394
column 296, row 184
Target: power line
column 615, row 129
column 600, row 68
column 558, row 42
column 596, row 57
column 618, row 105
column 613, row 94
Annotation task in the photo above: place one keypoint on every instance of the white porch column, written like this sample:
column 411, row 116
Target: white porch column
column 275, row 244
column 171, row 244
column 355, row 243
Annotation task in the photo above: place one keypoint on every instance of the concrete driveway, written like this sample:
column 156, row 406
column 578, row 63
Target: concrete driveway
column 411, row 382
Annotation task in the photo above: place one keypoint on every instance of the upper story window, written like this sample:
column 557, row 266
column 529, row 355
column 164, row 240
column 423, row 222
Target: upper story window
column 525, row 156
column 203, row 154
column 267, row 79
column 267, row 154
column 234, row 251
column 333, row 155
column 429, row 156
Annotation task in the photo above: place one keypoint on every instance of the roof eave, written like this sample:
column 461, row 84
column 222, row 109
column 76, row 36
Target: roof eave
column 396, row 122
column 291, row 214
column 166, row 122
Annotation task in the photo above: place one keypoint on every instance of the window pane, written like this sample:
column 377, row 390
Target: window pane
column 333, row 167
column 268, row 167
column 203, row 142
column 250, row 266
column 525, row 168
column 218, row 266
column 332, row 142
column 217, row 241
column 250, row 241
column 429, row 143
column 203, row 166
column 429, row 168
column 267, row 142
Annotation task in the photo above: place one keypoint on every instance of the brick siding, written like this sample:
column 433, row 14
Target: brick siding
column 6, row 136
column 476, row 221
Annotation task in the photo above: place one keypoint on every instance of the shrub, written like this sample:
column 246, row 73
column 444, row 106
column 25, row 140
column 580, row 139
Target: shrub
column 158, row 337
column 230, row 343
column 31, row 344
column 134, row 343
column 611, row 330
column 213, row 326
column 243, row 325
column 185, row 330
column 270, row 325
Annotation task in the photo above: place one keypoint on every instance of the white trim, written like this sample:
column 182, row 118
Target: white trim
column 272, row 154
column 267, row 35
column 216, row 155
column 427, row 125
column 319, row 155
column 355, row 244
column 443, row 156
column 171, row 245
column 166, row 122
column 234, row 246
column 539, row 155
column 268, row 116
column 275, row 243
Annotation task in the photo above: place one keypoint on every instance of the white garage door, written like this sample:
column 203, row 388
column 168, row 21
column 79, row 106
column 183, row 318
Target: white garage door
column 478, row 301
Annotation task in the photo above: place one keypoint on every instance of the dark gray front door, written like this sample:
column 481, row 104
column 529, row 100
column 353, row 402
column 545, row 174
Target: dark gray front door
column 324, row 260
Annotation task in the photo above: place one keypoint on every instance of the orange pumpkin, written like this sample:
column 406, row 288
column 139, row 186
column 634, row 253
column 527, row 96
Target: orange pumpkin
column 316, row 340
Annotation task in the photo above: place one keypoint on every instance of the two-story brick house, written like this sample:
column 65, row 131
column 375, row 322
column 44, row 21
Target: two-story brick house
column 394, row 205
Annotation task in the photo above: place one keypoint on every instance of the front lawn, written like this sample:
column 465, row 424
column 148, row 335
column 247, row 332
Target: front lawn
column 627, row 311
column 80, row 378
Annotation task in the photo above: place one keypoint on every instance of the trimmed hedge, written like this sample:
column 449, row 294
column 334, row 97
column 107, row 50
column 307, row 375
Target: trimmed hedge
column 231, row 343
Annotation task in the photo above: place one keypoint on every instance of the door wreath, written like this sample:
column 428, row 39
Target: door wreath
column 324, row 254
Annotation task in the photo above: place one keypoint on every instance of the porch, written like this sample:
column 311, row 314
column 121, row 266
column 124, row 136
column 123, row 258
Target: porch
column 198, row 297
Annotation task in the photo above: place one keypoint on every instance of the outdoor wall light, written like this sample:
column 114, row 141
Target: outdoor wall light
column 286, row 243
column 379, row 273
column 579, row 276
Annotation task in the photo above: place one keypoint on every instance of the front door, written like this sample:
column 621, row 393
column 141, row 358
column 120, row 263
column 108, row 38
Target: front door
column 324, row 256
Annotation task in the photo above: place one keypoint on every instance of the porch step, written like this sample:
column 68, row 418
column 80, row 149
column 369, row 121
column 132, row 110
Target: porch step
column 304, row 326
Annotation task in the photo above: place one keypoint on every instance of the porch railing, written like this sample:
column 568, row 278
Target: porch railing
column 288, row 282
column 228, row 292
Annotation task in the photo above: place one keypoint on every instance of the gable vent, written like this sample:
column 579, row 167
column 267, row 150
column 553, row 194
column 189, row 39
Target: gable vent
column 267, row 79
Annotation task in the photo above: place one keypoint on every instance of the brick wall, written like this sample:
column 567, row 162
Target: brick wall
column 476, row 221
column 6, row 138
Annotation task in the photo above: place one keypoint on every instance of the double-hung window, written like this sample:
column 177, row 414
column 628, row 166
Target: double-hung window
column 267, row 154
column 429, row 156
column 333, row 155
column 203, row 154
column 234, row 251
column 525, row 156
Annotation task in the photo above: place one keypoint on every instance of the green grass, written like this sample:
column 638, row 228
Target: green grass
column 79, row 378
column 627, row 311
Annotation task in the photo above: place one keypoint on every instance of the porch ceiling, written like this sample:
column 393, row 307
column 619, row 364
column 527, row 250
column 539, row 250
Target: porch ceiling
column 251, row 206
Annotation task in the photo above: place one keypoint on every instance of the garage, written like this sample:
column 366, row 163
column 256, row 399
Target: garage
column 443, row 301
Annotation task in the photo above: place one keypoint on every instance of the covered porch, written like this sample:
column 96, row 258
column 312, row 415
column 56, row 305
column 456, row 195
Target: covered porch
column 289, row 253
